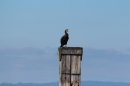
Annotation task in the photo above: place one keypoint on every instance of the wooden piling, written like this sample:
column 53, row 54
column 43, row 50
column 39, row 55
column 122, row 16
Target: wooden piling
column 70, row 65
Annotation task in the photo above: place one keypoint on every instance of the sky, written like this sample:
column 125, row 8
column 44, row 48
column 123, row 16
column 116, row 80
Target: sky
column 30, row 29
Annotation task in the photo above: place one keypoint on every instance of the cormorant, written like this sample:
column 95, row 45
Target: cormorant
column 64, row 39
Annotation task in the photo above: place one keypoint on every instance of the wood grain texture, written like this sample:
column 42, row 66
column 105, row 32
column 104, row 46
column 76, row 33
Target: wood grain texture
column 69, row 51
column 75, row 70
column 65, row 71
column 75, row 64
column 65, row 79
column 70, row 66
column 75, row 80
column 65, row 62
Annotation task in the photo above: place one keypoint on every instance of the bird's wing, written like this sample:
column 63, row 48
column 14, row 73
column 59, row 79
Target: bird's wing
column 62, row 39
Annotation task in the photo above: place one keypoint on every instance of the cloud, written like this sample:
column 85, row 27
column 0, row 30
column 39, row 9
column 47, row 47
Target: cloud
column 24, row 51
column 104, row 54
column 97, row 64
column 105, row 65
column 21, row 59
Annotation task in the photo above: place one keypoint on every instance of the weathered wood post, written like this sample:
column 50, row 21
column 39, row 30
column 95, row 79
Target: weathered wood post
column 70, row 66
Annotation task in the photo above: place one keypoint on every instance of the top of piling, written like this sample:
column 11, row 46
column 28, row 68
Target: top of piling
column 69, row 51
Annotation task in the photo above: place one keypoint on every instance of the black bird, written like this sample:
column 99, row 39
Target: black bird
column 64, row 39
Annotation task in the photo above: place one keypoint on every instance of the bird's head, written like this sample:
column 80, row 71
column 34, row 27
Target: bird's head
column 67, row 30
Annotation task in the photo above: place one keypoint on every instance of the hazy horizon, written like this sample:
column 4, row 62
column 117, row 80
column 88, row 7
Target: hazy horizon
column 58, row 82
column 83, row 83
column 34, row 65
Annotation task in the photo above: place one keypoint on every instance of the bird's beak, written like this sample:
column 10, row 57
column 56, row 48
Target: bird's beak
column 68, row 30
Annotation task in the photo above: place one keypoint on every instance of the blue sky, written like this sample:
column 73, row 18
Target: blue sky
column 39, row 24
